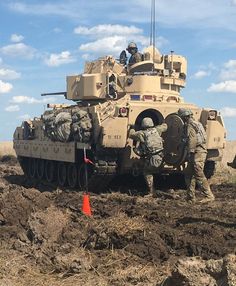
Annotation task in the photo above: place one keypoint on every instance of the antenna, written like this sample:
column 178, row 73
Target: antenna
column 153, row 26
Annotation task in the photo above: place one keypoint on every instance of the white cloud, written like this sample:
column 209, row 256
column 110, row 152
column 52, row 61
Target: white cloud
column 201, row 74
column 105, row 45
column 0, row 60
column 12, row 108
column 228, row 112
column 85, row 56
column 31, row 100
column 24, row 117
column 9, row 74
column 18, row 50
column 114, row 45
column 56, row 60
column 193, row 13
column 57, row 30
column 108, row 30
column 204, row 71
column 211, row 67
column 16, row 38
column 71, row 10
column 5, row 87
column 230, row 63
column 226, row 86
column 228, row 78
column 228, row 72
column 112, row 39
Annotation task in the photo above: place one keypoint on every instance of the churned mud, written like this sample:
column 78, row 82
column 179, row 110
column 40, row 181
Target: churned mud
column 130, row 239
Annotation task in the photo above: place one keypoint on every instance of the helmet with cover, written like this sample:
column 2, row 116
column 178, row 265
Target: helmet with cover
column 132, row 47
column 184, row 112
column 147, row 122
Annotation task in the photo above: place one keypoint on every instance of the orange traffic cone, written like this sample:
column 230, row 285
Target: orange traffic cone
column 86, row 205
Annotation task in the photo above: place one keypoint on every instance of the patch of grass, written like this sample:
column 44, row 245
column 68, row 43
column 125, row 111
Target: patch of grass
column 224, row 174
column 232, row 180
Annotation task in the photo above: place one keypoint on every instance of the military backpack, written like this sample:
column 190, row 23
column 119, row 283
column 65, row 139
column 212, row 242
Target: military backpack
column 200, row 131
column 153, row 142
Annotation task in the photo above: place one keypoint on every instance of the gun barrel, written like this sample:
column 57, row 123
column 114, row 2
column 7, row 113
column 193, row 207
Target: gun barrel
column 54, row 93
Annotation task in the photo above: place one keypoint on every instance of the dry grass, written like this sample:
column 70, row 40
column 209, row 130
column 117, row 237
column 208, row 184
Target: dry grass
column 124, row 225
column 6, row 148
column 47, row 225
column 225, row 173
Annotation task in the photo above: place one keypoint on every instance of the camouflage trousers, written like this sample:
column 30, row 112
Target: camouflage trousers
column 194, row 174
column 149, row 170
column 150, row 183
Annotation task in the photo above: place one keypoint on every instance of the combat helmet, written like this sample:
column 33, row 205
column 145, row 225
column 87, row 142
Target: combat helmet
column 147, row 122
column 132, row 46
column 184, row 112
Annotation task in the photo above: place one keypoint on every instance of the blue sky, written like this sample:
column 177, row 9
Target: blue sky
column 43, row 41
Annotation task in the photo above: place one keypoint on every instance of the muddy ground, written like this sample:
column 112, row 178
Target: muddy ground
column 129, row 240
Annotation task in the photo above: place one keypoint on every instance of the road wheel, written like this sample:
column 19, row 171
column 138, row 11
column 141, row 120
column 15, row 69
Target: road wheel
column 82, row 175
column 40, row 164
column 50, row 167
column 32, row 168
column 24, row 163
column 62, row 174
column 72, row 175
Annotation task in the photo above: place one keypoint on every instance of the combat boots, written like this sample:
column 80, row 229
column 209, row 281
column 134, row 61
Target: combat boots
column 150, row 185
column 209, row 198
column 207, row 192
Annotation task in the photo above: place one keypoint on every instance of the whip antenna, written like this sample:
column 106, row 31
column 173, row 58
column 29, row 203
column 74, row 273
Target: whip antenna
column 153, row 26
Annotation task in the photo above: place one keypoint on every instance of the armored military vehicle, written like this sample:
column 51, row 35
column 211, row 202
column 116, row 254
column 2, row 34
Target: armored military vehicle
column 109, row 97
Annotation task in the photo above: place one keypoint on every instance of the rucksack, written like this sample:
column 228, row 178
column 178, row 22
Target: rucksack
column 201, row 133
column 153, row 142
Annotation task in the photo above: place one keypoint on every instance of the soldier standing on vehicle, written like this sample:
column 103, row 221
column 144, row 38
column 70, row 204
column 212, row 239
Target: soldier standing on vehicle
column 195, row 136
column 150, row 148
column 135, row 55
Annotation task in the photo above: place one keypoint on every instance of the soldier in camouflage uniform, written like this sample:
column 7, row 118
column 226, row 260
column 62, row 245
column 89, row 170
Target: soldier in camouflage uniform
column 196, row 143
column 135, row 55
column 150, row 149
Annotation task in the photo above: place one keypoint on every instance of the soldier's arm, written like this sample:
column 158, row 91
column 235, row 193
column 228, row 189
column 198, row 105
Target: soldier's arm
column 136, row 135
column 131, row 133
column 192, row 139
column 161, row 128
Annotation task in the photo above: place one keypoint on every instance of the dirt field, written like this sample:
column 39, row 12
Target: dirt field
column 129, row 240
